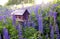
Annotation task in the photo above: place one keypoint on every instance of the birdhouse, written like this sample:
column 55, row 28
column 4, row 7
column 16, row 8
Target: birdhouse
column 21, row 15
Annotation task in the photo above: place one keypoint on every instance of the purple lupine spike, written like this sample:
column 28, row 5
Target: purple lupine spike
column 36, row 13
column 51, row 32
column 19, row 29
column 46, row 36
column 24, row 24
column 0, row 36
column 28, row 23
column 54, row 15
column 39, row 19
column 4, row 19
column 53, row 6
column 41, row 24
column 50, row 13
column 57, row 31
column 1, row 17
column 14, row 20
column 5, row 33
column 33, row 24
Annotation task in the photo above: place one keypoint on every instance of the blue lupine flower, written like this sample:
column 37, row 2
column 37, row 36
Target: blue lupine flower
column 1, row 17
column 41, row 24
column 53, row 6
column 5, row 33
column 0, row 36
column 55, row 15
column 4, row 19
column 14, row 20
column 36, row 13
column 39, row 19
column 19, row 28
column 24, row 24
column 33, row 24
column 28, row 23
column 50, row 13
column 51, row 32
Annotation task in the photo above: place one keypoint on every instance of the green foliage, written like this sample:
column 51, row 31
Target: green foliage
column 13, row 32
column 58, row 15
column 13, row 2
column 11, row 29
column 30, row 33
column 58, row 1
column 58, row 9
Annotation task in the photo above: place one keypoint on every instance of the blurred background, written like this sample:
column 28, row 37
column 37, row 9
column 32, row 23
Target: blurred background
column 24, row 3
column 43, row 23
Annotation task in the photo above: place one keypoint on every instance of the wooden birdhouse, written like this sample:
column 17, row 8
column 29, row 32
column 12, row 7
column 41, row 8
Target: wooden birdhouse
column 21, row 15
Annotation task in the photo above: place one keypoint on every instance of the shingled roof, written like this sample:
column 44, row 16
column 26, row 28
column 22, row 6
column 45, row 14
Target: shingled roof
column 18, row 12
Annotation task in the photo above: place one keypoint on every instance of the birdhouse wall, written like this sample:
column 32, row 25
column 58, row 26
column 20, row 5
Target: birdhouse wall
column 26, row 15
column 19, row 18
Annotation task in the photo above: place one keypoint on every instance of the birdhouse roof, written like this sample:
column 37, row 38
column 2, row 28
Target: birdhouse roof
column 18, row 12
column 21, row 11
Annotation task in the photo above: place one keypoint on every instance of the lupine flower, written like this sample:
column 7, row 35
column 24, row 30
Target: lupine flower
column 19, row 28
column 41, row 24
column 14, row 20
column 39, row 19
column 51, row 32
column 4, row 19
column 28, row 23
column 36, row 13
column 0, row 36
column 54, row 15
column 24, row 24
column 5, row 33
column 57, row 31
column 1, row 17
column 53, row 6
column 33, row 24
column 50, row 13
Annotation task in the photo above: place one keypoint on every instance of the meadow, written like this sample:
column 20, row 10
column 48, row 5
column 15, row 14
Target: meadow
column 44, row 23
